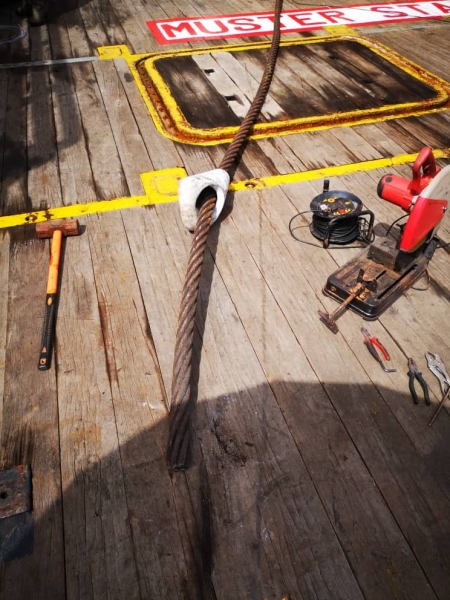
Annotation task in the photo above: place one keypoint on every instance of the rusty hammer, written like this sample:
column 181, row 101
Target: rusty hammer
column 56, row 230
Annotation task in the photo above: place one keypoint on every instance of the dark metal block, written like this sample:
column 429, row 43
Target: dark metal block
column 15, row 491
column 16, row 519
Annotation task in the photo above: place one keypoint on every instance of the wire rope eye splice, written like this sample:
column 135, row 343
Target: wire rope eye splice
column 191, row 189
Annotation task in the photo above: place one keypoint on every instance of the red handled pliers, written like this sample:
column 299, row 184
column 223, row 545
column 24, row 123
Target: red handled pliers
column 372, row 344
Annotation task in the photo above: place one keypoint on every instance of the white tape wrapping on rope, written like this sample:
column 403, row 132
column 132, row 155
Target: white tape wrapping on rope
column 190, row 188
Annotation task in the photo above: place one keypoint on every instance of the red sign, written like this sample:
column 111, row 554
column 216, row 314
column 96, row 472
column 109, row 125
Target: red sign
column 189, row 29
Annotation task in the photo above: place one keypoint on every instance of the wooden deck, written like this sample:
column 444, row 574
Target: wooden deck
column 314, row 475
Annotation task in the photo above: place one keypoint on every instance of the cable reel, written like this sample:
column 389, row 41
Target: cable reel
column 338, row 218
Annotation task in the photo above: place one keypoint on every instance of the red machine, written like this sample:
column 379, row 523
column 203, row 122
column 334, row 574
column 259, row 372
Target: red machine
column 420, row 196
column 372, row 281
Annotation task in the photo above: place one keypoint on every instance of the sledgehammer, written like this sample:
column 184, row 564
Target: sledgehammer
column 55, row 230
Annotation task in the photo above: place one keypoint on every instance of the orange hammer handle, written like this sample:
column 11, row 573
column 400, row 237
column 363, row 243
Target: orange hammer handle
column 48, row 331
column 53, row 272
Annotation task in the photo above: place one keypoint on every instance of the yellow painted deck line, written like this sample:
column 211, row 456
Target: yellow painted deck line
column 326, row 172
column 161, row 187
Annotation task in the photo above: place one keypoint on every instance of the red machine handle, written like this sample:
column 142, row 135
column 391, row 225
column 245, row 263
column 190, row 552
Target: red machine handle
column 424, row 169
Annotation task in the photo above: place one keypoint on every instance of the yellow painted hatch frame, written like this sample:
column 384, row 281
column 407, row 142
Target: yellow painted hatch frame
column 171, row 122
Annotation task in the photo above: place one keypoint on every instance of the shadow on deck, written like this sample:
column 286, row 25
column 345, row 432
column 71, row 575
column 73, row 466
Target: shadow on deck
column 344, row 508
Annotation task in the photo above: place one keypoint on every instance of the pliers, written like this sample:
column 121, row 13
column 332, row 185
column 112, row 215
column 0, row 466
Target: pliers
column 413, row 374
column 437, row 367
column 372, row 344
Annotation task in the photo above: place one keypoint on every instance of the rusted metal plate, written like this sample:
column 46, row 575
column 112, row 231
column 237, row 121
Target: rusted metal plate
column 16, row 536
column 15, row 491
column 200, row 96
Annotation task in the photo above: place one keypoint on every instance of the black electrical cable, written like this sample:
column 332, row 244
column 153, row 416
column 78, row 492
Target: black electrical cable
column 17, row 33
column 341, row 232
column 438, row 247
column 393, row 223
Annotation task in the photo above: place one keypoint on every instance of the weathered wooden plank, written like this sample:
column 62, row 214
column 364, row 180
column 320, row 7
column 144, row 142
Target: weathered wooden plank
column 13, row 191
column 19, row 50
column 162, row 151
column 140, row 409
column 223, row 84
column 413, row 133
column 74, row 167
column 77, row 34
column 5, row 16
column 327, row 363
column 30, row 424
column 385, row 145
column 300, row 503
column 40, row 48
column 44, row 188
column 135, row 160
column 194, row 91
column 125, row 131
column 242, row 467
column 3, row 105
column 157, row 319
column 103, row 16
column 138, row 391
column 291, row 380
column 100, row 557
column 310, row 83
column 107, row 171
column 384, row 81
column 4, row 291
column 158, row 270
column 59, row 39
column 431, row 51
column 247, row 84
column 132, row 18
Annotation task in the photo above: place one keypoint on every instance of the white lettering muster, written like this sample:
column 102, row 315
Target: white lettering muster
column 249, row 24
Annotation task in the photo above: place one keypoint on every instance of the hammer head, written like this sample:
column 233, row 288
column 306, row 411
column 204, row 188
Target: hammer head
column 48, row 228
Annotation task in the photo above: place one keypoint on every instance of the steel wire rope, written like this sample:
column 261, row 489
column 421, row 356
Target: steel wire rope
column 181, row 401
